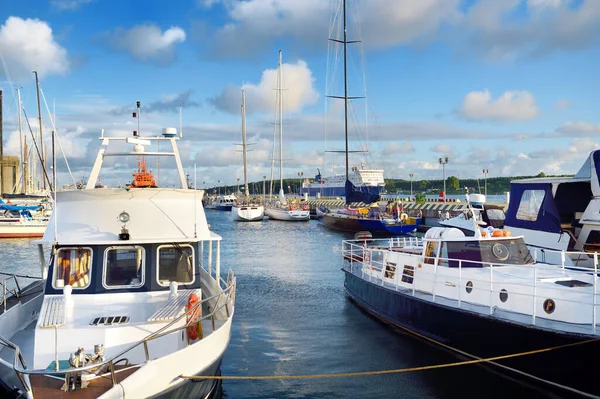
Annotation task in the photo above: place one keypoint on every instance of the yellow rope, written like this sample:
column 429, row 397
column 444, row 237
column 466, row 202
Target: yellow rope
column 380, row 372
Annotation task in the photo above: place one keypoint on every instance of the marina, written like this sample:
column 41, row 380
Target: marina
column 413, row 210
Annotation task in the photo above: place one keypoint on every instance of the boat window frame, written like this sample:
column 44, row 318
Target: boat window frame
column 55, row 267
column 142, row 267
column 158, row 264
column 527, row 201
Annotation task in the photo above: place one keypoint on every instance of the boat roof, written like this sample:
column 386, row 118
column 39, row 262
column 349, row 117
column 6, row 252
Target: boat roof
column 91, row 217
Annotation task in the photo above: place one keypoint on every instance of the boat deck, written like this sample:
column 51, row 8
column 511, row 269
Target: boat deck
column 49, row 387
column 28, row 293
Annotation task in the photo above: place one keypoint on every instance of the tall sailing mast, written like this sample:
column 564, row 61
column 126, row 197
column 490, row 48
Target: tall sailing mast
column 280, row 109
column 43, row 156
column 23, row 177
column 244, row 142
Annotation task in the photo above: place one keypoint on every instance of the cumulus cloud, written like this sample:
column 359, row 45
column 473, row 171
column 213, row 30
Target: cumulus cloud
column 497, row 30
column 579, row 129
column 168, row 103
column 146, row 42
column 442, row 148
column 253, row 24
column 28, row 44
column 299, row 92
column 398, row 148
column 69, row 4
column 510, row 106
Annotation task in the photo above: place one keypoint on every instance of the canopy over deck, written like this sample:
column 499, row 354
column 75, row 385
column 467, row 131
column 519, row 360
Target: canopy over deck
column 156, row 215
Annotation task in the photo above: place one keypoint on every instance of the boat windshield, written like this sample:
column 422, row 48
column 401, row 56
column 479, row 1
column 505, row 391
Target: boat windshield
column 480, row 253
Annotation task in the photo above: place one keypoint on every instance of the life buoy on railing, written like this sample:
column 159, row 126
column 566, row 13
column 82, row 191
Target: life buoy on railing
column 292, row 207
column 305, row 207
column 194, row 326
column 403, row 217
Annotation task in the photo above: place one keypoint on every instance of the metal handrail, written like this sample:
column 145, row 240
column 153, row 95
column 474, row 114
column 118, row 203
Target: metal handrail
column 16, row 291
column 227, row 292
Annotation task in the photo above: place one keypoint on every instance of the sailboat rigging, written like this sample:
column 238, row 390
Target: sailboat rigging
column 246, row 211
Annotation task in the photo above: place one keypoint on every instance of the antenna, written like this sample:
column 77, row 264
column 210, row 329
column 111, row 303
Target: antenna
column 195, row 190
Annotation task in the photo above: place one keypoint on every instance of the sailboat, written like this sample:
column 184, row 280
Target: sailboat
column 283, row 209
column 363, row 219
column 245, row 210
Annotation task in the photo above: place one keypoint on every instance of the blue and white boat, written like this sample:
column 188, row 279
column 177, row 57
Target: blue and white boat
column 221, row 202
column 559, row 213
column 484, row 297
column 367, row 180
column 131, row 302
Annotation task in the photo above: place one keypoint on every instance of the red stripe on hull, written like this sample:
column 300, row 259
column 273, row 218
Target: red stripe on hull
column 21, row 235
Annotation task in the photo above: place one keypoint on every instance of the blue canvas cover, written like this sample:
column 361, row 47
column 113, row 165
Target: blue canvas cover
column 354, row 194
column 548, row 218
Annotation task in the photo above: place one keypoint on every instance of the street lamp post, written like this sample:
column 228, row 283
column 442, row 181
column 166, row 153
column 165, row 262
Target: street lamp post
column 411, row 178
column 485, row 173
column 443, row 162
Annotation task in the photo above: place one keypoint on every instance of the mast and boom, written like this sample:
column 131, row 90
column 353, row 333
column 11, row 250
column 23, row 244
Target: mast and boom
column 244, row 148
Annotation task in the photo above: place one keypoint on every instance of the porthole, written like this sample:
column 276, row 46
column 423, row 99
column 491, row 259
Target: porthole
column 503, row 295
column 500, row 251
column 469, row 287
column 549, row 306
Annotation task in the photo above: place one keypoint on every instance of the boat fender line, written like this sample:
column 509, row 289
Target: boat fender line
column 194, row 313
column 474, row 360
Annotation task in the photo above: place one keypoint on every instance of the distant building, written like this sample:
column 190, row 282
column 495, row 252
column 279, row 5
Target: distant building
column 10, row 174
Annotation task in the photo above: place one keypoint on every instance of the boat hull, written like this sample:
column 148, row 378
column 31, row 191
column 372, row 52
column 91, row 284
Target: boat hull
column 247, row 213
column 337, row 191
column 226, row 208
column 287, row 215
column 484, row 336
column 22, row 230
column 353, row 224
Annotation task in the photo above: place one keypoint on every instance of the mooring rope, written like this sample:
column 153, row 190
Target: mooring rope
column 381, row 372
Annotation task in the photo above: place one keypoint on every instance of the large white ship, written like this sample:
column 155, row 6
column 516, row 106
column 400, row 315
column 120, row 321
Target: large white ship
column 367, row 180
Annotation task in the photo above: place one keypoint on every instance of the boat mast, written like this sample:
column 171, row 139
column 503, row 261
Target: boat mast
column 280, row 124
column 244, row 142
column 37, row 88
column 23, row 183
column 345, row 90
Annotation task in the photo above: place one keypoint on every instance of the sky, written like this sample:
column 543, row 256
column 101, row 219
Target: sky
column 509, row 86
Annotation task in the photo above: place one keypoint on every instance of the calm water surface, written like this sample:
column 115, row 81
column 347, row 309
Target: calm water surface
column 293, row 318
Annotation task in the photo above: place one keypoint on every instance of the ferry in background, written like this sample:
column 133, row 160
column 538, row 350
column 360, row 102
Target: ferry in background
column 367, row 180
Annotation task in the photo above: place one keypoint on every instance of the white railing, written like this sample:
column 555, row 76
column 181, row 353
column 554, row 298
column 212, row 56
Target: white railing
column 487, row 287
column 223, row 301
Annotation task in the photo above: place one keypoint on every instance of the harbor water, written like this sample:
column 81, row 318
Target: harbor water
column 293, row 318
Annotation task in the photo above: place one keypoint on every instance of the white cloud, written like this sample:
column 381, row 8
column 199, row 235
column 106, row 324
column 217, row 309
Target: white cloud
column 69, row 4
column 28, row 44
column 299, row 92
column 535, row 4
column 442, row 148
column 510, row 106
column 394, row 147
column 579, row 129
column 147, row 42
column 496, row 30
column 253, row 24
column 563, row 104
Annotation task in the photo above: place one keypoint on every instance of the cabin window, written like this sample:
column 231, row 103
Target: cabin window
column 531, row 202
column 72, row 267
column 124, row 267
column 592, row 244
column 175, row 263
column 430, row 252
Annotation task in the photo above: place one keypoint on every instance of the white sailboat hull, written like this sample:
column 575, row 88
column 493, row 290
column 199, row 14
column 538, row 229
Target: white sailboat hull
column 287, row 215
column 23, row 229
column 247, row 213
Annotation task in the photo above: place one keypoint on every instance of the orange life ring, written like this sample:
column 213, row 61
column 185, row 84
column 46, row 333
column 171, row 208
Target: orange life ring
column 291, row 207
column 498, row 233
column 193, row 317
column 305, row 207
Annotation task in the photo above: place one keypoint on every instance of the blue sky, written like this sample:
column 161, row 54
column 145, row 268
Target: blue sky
column 504, row 85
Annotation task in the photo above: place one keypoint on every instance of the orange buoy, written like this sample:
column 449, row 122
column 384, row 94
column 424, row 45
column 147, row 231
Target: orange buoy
column 305, row 207
column 506, row 233
column 291, row 207
column 193, row 317
column 498, row 233
column 483, row 233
